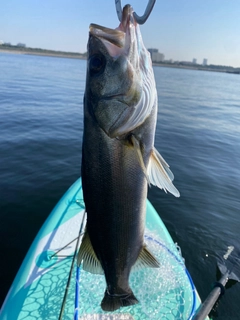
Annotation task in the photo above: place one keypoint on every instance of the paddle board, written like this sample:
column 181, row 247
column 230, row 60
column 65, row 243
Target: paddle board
column 39, row 288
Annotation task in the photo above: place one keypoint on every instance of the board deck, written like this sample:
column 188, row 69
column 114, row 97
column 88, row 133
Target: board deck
column 38, row 290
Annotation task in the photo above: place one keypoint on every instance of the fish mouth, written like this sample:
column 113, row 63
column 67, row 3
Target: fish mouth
column 128, row 99
column 116, row 40
column 114, row 36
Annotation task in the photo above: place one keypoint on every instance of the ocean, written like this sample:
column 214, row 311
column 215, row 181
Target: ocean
column 198, row 134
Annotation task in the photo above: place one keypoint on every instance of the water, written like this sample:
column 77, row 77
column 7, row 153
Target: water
column 198, row 134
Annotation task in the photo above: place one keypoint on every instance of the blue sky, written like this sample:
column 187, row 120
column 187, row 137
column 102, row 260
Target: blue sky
column 181, row 29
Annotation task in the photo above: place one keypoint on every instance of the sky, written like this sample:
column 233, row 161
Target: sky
column 180, row 29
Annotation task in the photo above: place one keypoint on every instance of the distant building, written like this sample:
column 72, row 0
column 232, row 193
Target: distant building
column 152, row 51
column 194, row 61
column 204, row 62
column 21, row 45
column 156, row 56
column 1, row 42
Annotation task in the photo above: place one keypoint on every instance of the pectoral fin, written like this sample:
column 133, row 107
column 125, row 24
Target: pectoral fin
column 146, row 259
column 137, row 148
column 87, row 256
column 159, row 173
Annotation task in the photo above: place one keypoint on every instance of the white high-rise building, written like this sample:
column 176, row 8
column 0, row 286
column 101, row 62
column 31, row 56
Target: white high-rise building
column 156, row 56
column 204, row 62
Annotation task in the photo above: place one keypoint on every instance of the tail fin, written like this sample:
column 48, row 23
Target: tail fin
column 116, row 301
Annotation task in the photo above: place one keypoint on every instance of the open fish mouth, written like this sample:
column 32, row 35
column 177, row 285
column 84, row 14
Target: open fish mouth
column 114, row 36
column 119, row 39
column 113, row 39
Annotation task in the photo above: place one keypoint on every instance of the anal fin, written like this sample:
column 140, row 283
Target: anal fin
column 146, row 259
column 87, row 257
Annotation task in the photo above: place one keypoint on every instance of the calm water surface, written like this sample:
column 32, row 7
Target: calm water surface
column 198, row 134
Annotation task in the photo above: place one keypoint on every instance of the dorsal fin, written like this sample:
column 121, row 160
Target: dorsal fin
column 87, row 256
column 159, row 173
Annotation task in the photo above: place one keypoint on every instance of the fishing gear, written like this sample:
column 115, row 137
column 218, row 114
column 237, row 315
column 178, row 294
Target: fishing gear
column 71, row 271
column 229, row 267
column 139, row 19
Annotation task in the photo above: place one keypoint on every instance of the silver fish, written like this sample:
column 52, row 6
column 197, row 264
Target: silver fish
column 118, row 157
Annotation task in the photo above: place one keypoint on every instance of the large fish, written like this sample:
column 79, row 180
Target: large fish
column 118, row 156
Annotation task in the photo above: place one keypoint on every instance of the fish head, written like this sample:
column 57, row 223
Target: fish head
column 120, row 86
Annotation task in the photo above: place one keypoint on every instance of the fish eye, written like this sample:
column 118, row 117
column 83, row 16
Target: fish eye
column 96, row 64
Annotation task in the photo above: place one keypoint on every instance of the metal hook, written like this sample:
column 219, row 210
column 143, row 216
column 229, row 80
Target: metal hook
column 139, row 20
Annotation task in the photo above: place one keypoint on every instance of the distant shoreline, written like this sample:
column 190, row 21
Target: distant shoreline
column 75, row 55
column 198, row 68
column 41, row 52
